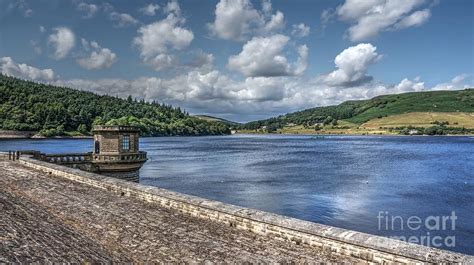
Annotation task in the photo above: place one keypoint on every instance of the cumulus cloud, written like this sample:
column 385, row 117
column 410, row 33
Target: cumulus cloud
column 370, row 17
column 123, row 19
column 120, row 20
column 173, row 8
column 10, row 67
column 200, row 61
column 62, row 41
column 99, row 58
column 239, row 20
column 407, row 85
column 352, row 65
column 162, row 61
column 157, row 39
column 89, row 9
column 458, row 82
column 300, row 30
column 161, row 36
column 302, row 62
column 150, row 9
column 415, row 19
column 263, row 56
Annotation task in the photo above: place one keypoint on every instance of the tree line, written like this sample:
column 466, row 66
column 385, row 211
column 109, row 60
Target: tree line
column 53, row 110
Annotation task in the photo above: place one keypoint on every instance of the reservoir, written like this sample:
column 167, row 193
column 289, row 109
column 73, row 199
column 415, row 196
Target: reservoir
column 353, row 182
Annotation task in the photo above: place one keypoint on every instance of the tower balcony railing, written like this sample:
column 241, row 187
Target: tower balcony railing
column 132, row 157
column 65, row 158
column 77, row 158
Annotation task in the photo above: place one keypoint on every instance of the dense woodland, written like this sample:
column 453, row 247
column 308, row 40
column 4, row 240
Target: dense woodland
column 362, row 111
column 52, row 110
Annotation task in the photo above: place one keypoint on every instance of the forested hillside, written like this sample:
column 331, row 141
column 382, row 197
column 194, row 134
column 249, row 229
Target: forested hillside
column 359, row 112
column 52, row 110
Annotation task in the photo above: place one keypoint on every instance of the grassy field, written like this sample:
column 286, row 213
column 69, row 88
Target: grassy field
column 422, row 119
column 434, row 101
column 382, row 125
column 363, row 111
column 343, row 127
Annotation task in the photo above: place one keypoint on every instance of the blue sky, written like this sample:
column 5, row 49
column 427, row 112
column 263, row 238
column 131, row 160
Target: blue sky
column 241, row 59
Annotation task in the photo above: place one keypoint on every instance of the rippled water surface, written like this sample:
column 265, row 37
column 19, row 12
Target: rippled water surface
column 344, row 181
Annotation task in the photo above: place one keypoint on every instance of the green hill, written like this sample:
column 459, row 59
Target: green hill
column 52, row 110
column 212, row 118
column 362, row 111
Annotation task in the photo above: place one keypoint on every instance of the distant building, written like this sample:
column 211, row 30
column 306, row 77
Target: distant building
column 413, row 132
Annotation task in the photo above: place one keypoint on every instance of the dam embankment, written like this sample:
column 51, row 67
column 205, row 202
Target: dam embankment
column 115, row 220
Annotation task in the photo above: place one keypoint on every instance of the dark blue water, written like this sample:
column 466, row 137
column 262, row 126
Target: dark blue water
column 343, row 181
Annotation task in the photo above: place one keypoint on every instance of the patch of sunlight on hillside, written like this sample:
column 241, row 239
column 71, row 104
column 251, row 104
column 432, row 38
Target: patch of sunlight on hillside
column 423, row 119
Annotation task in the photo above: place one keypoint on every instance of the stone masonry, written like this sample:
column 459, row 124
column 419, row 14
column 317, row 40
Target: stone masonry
column 133, row 221
column 51, row 219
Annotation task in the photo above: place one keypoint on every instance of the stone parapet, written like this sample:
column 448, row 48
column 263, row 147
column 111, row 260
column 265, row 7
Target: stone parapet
column 370, row 248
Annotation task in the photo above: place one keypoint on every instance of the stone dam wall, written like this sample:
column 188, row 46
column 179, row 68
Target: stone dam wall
column 370, row 248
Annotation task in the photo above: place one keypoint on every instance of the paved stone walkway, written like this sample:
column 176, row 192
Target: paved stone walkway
column 50, row 219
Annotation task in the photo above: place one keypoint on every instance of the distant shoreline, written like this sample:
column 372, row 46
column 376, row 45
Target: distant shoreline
column 347, row 134
column 20, row 135
column 17, row 135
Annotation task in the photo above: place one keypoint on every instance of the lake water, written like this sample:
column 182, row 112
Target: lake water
column 353, row 182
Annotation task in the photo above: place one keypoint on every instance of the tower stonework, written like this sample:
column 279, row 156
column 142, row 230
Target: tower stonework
column 116, row 139
column 116, row 149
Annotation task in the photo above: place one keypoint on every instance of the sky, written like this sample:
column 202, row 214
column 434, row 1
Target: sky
column 241, row 59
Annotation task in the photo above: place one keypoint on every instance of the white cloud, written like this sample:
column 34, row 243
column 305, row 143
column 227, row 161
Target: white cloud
column 157, row 39
column 123, row 19
column 300, row 30
column 407, row 85
column 120, row 20
column 150, row 9
column 10, row 67
column 263, row 56
column 22, row 6
column 239, row 20
column 36, row 46
column 302, row 62
column 370, row 17
column 352, row 65
column 99, row 58
column 200, row 61
column 161, row 36
column 89, row 9
column 162, row 61
column 42, row 29
column 458, row 82
column 62, row 41
column 173, row 7
column 327, row 17
column 277, row 21
column 415, row 19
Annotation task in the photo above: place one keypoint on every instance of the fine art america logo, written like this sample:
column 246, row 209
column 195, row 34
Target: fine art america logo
column 431, row 224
